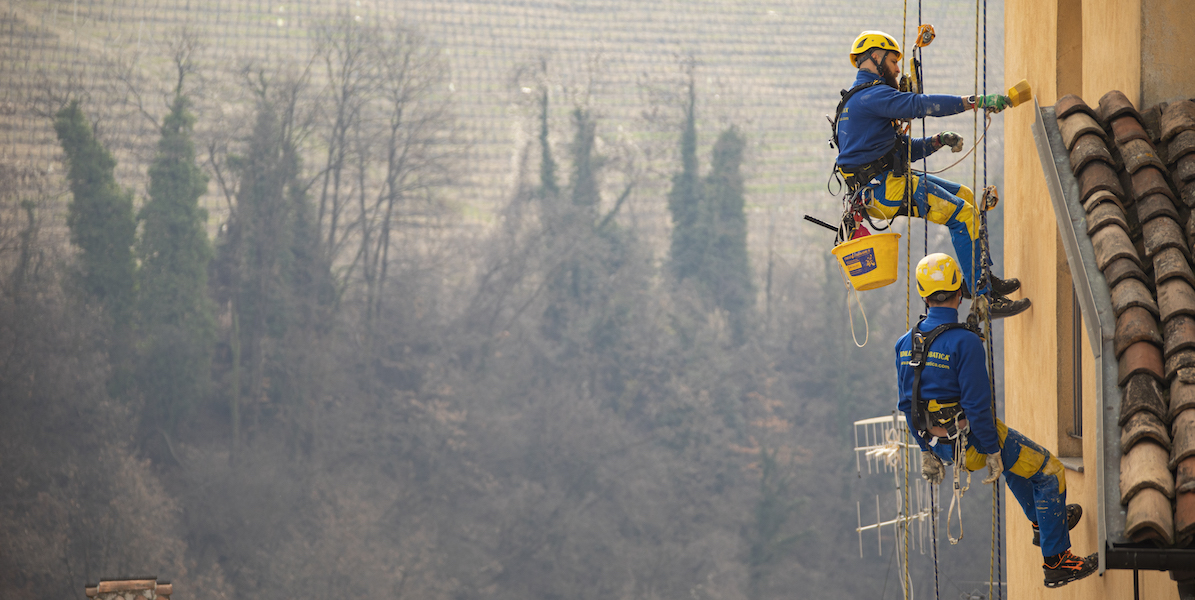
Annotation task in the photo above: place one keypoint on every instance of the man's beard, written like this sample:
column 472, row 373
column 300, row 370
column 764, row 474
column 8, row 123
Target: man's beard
column 890, row 79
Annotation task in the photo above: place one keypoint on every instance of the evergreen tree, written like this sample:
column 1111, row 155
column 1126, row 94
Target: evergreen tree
column 725, row 270
column 177, row 327
column 689, row 237
column 585, row 191
column 268, row 264
column 100, row 218
column 547, row 166
column 100, row 215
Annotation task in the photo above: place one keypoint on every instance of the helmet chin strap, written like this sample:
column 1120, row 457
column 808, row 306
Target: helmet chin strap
column 881, row 67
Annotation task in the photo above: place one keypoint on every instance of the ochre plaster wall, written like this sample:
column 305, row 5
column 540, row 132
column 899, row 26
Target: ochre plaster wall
column 1110, row 59
column 1030, row 339
column 1111, row 49
column 1166, row 30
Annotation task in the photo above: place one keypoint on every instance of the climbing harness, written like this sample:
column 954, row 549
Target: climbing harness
column 928, row 413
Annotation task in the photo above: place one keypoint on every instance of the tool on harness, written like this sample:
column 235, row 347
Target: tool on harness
column 928, row 413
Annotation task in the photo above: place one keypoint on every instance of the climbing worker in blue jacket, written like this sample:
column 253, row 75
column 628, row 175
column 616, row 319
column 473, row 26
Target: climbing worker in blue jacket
column 945, row 394
column 873, row 154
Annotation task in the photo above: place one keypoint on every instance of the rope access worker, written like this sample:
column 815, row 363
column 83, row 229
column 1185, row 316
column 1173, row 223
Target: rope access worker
column 873, row 154
column 945, row 394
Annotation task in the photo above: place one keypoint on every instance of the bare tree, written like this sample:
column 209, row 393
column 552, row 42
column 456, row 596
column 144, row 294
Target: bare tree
column 390, row 141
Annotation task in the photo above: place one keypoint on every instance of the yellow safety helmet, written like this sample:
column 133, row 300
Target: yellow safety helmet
column 873, row 39
column 938, row 272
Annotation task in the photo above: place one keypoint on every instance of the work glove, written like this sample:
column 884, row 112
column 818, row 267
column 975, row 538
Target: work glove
column 993, row 102
column 952, row 139
column 931, row 467
column 995, row 468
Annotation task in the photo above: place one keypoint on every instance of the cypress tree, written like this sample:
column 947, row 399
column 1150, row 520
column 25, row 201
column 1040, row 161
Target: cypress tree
column 725, row 271
column 177, row 326
column 684, row 200
column 268, row 264
column 585, row 165
column 547, row 166
column 100, row 219
column 100, row 215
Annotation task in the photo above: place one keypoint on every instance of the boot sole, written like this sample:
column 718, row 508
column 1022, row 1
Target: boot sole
column 996, row 316
column 1075, row 577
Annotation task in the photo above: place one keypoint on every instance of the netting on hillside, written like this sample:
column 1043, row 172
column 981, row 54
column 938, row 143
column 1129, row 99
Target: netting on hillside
column 774, row 70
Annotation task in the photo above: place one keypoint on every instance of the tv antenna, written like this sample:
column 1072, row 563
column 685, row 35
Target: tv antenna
column 880, row 445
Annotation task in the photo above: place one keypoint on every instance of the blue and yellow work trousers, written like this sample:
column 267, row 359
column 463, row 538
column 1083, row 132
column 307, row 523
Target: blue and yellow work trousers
column 1036, row 479
column 937, row 201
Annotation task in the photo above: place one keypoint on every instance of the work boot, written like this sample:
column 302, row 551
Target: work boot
column 1003, row 287
column 1064, row 568
column 1074, row 512
column 1002, row 307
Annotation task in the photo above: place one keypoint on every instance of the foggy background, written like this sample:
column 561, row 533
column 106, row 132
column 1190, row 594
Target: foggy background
column 419, row 320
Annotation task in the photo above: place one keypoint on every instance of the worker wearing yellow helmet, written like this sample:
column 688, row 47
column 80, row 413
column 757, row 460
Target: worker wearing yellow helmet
column 944, row 391
column 873, row 157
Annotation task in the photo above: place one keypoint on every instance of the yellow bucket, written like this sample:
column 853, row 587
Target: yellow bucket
column 870, row 261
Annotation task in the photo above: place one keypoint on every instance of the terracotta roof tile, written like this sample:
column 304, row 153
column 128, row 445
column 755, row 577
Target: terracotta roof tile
column 1139, row 153
column 1105, row 214
column 1161, row 233
column 1133, row 292
column 1077, row 126
column 1149, row 180
column 1152, row 121
column 1145, row 466
column 1090, row 147
column 1179, row 333
column 1137, row 324
column 1181, row 145
column 1184, row 476
column 1155, row 205
column 1121, row 269
column 1069, row 104
column 1171, row 262
column 1184, row 169
column 1114, row 104
column 1182, row 393
column 1140, row 358
column 1098, row 176
column 1143, row 394
column 1178, row 117
column 1184, row 518
column 1187, row 196
column 1143, row 243
column 1111, row 243
column 1181, row 359
column 1144, row 426
column 1127, row 128
column 1175, row 297
column 1182, row 434
column 1101, row 197
column 1150, row 518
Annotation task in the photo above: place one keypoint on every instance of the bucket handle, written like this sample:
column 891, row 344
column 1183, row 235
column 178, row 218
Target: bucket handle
column 850, row 313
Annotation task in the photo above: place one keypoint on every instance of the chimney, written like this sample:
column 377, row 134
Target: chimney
column 145, row 588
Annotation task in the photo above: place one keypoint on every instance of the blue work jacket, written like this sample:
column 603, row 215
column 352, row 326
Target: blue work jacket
column 865, row 130
column 955, row 367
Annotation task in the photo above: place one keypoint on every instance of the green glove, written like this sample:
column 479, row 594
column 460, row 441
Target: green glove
column 993, row 102
column 952, row 139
